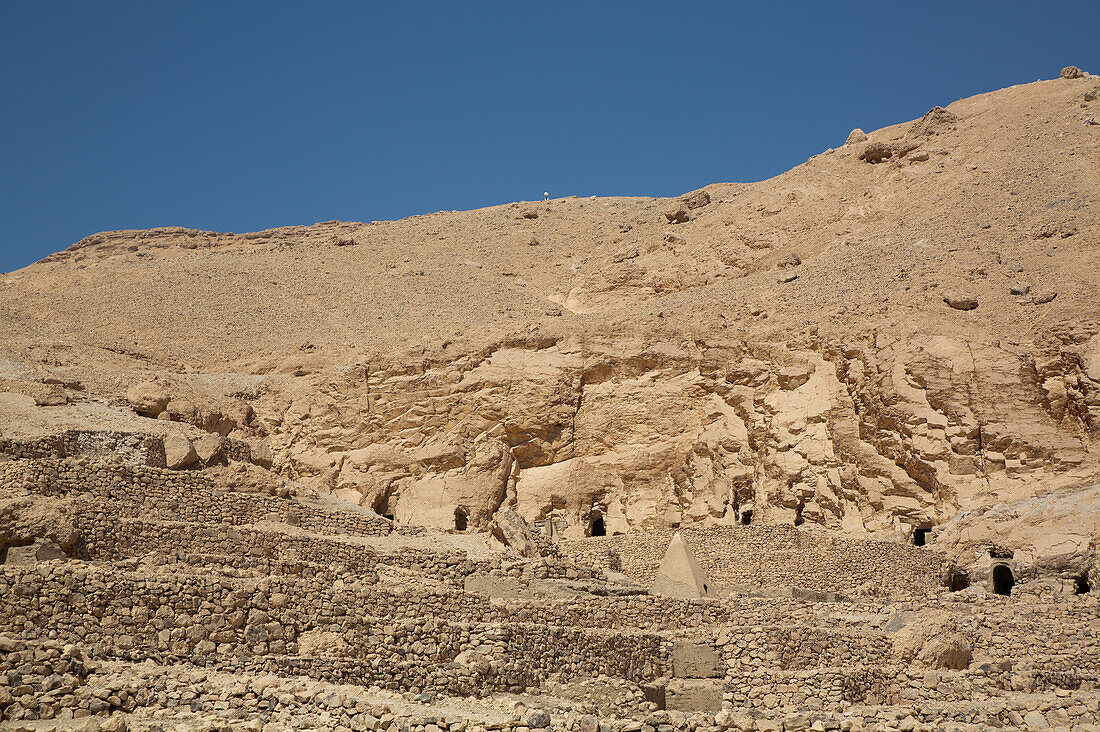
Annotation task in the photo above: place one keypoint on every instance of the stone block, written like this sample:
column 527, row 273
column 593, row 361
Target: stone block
column 695, row 661
column 693, row 695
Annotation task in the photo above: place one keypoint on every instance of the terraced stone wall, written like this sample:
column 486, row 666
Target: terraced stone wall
column 174, row 495
column 775, row 556
column 221, row 619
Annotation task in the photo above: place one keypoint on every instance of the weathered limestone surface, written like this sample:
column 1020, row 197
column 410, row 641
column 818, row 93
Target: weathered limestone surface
column 422, row 476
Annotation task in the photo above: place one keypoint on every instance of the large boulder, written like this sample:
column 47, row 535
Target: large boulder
column 179, row 453
column 321, row 643
column 149, row 398
column 26, row 519
column 949, row 650
column 929, row 639
column 509, row 528
column 210, row 449
column 38, row 551
column 678, row 213
column 696, row 199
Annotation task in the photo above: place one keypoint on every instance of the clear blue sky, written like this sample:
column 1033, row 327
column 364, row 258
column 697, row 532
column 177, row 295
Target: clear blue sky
column 237, row 116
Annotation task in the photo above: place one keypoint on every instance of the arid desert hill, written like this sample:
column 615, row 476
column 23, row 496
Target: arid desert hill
column 899, row 338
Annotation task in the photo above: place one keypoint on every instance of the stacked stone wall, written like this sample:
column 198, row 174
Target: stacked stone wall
column 172, row 495
column 112, row 538
column 133, row 448
column 188, row 616
column 129, row 447
column 774, row 556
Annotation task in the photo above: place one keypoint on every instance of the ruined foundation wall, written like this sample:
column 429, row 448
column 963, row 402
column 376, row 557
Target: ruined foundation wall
column 774, row 556
column 173, row 495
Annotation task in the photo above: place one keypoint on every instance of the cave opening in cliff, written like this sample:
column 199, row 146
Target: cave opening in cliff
column 920, row 536
column 1003, row 581
column 462, row 518
column 382, row 507
column 746, row 517
column 596, row 526
column 958, row 580
column 1081, row 584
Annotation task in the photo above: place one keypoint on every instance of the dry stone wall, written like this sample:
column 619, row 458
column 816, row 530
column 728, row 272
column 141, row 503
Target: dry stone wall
column 774, row 556
column 188, row 616
column 170, row 495
column 134, row 448
column 129, row 447
column 112, row 538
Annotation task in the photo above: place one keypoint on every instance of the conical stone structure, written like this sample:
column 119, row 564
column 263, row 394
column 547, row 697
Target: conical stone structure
column 680, row 574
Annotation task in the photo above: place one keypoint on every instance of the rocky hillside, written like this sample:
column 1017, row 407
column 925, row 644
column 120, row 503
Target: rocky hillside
column 900, row 337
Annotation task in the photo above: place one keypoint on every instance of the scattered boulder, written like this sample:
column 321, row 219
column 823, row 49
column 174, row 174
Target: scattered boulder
column 948, row 650
column 320, row 643
column 474, row 661
column 1035, row 720
column 961, row 301
column 677, row 213
column 1019, row 289
column 538, row 719
column 209, row 449
column 696, row 199
column 791, row 260
column 1071, row 72
column 530, row 214
column 788, row 277
column 148, row 398
column 855, row 137
column 50, row 395
column 26, row 519
column 179, row 453
column 1044, row 296
column 935, row 121
column 38, row 551
column 876, row 152
column 930, row 638
column 509, row 528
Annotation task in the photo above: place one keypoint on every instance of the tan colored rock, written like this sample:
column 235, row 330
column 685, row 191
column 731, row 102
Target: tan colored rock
column 678, row 213
column 511, row 530
column 179, row 452
column 320, row 643
column 696, row 199
column 148, row 398
column 961, row 300
column 208, row 449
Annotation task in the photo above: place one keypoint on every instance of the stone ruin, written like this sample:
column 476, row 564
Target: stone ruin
column 817, row 452
column 155, row 598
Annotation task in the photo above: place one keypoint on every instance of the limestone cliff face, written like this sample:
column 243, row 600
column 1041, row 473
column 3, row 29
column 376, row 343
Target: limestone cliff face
column 900, row 337
column 875, row 436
